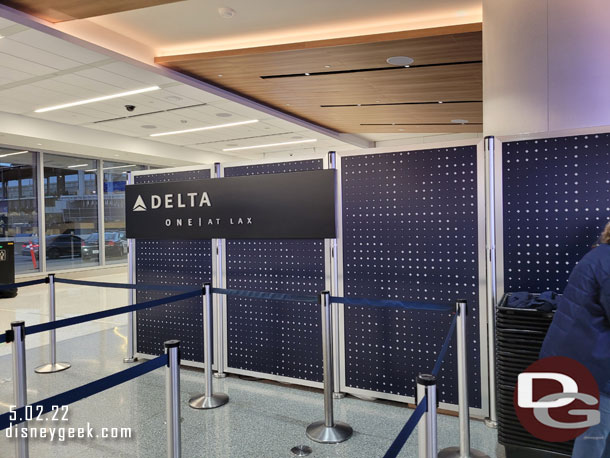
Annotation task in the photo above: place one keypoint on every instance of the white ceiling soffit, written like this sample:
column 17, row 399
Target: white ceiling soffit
column 197, row 26
column 41, row 66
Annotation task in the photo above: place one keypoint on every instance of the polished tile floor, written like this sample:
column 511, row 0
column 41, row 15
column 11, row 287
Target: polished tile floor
column 261, row 420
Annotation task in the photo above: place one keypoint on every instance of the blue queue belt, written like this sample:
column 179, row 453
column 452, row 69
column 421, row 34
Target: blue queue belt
column 407, row 429
column 3, row 337
column 138, row 286
column 82, row 392
column 265, row 295
column 23, row 284
column 443, row 352
column 106, row 313
column 391, row 303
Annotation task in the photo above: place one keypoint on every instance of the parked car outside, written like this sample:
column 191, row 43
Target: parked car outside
column 91, row 246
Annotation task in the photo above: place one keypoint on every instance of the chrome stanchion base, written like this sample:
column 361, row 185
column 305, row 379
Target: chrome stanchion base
column 338, row 395
column 51, row 368
column 454, row 452
column 319, row 432
column 491, row 423
column 130, row 360
column 209, row 402
column 219, row 375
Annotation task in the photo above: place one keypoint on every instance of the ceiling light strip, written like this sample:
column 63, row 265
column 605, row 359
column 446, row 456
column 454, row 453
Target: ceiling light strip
column 98, row 99
column 13, row 154
column 436, row 102
column 271, row 145
column 362, row 70
column 77, row 165
column 198, row 129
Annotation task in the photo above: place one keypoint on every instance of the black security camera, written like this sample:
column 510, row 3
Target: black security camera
column 130, row 108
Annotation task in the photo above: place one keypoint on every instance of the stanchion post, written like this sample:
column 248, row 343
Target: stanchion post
column 172, row 397
column 464, row 450
column 221, row 300
column 131, row 272
column 328, row 431
column 53, row 365
column 19, row 385
column 426, row 429
column 208, row 400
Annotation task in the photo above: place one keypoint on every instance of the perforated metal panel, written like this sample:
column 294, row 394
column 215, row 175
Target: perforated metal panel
column 280, row 338
column 182, row 262
column 410, row 224
column 556, row 202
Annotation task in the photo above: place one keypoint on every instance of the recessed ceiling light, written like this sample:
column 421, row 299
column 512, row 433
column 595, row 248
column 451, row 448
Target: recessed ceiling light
column 271, row 145
column 77, row 165
column 226, row 12
column 119, row 166
column 148, row 126
column 327, row 66
column 39, row 144
column 1, row 37
column 440, row 101
column 307, row 74
column 219, row 76
column 459, row 121
column 197, row 129
column 13, row 154
column 173, row 98
column 224, row 115
column 116, row 155
column 401, row 61
column 97, row 99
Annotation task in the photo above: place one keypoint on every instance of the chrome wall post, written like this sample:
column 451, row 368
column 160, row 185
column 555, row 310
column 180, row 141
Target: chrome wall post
column 131, row 272
column 209, row 400
column 464, row 450
column 172, row 399
column 492, row 288
column 328, row 431
column 53, row 365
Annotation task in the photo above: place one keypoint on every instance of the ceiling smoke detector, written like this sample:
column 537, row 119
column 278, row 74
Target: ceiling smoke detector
column 401, row 61
column 226, row 12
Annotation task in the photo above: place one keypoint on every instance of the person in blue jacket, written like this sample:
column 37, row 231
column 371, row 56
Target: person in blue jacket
column 581, row 330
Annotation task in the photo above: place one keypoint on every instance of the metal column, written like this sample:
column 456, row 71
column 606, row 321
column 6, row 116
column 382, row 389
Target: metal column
column 53, row 365
column 20, row 385
column 492, row 290
column 219, row 314
column 464, row 450
column 426, row 429
column 208, row 400
column 334, row 290
column 328, row 431
column 131, row 269
column 172, row 399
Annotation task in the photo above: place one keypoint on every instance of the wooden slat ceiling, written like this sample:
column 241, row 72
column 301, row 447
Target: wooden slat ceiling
column 351, row 88
column 67, row 10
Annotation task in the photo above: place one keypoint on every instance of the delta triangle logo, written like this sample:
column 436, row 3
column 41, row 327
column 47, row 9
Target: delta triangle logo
column 139, row 206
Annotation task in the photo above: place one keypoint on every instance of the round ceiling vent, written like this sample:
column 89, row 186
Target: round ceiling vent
column 226, row 12
column 399, row 61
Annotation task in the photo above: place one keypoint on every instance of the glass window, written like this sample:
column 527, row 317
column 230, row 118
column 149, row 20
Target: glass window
column 115, row 179
column 71, row 206
column 18, row 210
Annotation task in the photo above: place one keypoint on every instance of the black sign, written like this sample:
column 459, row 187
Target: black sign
column 299, row 205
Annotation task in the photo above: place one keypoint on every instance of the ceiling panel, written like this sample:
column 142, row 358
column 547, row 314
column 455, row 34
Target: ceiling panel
column 300, row 78
column 66, row 10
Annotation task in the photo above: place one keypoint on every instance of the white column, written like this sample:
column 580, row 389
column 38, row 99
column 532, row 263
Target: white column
column 545, row 65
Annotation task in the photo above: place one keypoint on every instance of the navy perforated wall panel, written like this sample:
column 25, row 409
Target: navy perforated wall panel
column 556, row 203
column 410, row 232
column 273, row 337
column 182, row 262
